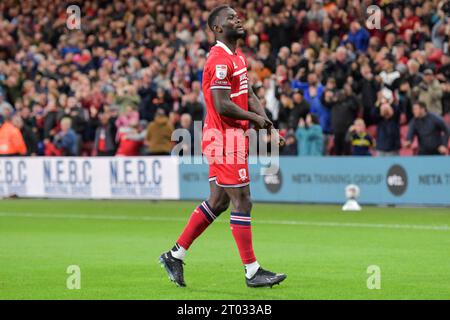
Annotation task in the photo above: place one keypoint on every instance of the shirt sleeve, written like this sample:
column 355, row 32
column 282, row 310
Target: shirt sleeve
column 444, row 129
column 411, row 131
column 221, row 72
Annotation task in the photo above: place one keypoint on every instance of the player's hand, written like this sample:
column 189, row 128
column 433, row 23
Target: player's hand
column 261, row 122
column 277, row 137
column 281, row 141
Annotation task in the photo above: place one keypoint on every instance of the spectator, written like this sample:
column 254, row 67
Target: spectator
column 368, row 86
column 344, row 109
column 338, row 68
column 387, row 118
column 66, row 140
column 431, row 130
column 29, row 137
column 105, row 135
column 286, row 108
column 413, row 76
column 429, row 91
column 404, row 99
column 389, row 75
column 11, row 139
column 192, row 106
column 76, row 113
column 313, row 91
column 5, row 105
column 159, row 133
column 290, row 148
column 51, row 118
column 309, row 136
column 131, row 138
column 187, row 147
column 359, row 139
column 357, row 36
column 300, row 109
column 128, row 117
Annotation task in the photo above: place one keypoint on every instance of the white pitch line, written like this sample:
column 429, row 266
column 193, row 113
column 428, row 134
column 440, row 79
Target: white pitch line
column 271, row 222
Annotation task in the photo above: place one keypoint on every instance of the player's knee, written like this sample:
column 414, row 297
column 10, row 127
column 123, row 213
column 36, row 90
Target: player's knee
column 244, row 204
column 218, row 206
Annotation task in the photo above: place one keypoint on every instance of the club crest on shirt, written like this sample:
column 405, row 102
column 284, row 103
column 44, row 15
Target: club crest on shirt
column 221, row 71
column 242, row 174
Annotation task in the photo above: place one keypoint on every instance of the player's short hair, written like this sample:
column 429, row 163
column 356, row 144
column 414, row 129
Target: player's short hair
column 214, row 13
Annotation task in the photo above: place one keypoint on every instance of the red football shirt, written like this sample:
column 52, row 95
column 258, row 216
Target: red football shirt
column 224, row 70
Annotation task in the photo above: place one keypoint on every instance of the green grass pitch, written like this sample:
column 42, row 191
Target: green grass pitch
column 324, row 252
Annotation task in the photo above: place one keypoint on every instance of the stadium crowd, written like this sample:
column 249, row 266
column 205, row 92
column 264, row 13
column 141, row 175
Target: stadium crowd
column 132, row 74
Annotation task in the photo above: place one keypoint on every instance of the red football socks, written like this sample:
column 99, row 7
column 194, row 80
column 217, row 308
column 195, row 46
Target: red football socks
column 240, row 225
column 242, row 233
column 200, row 219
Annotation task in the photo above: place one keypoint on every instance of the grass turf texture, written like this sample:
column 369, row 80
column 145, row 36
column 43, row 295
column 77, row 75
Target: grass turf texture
column 324, row 252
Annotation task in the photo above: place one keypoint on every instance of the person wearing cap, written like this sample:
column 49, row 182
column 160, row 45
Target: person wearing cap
column 430, row 92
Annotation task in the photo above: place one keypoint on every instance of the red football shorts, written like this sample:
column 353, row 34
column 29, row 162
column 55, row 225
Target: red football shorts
column 231, row 171
column 227, row 156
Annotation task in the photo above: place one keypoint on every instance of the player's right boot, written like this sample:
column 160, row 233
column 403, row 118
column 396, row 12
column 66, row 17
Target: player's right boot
column 174, row 268
column 264, row 278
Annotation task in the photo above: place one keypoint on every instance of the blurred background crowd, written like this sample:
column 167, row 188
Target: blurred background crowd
column 132, row 74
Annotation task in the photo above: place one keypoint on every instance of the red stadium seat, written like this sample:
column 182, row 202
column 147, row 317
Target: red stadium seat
column 447, row 119
column 330, row 146
column 403, row 132
column 403, row 119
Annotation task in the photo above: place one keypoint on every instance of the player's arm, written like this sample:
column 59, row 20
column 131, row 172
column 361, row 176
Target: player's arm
column 254, row 105
column 227, row 108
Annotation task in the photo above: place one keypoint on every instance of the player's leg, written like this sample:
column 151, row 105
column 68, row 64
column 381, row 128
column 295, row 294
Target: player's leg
column 200, row 219
column 240, row 224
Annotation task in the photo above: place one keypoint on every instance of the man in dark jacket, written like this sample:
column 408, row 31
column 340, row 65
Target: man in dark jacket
column 300, row 110
column 29, row 137
column 190, row 105
column 368, row 87
column 430, row 129
column 387, row 118
column 339, row 69
column 344, row 109
column 105, row 135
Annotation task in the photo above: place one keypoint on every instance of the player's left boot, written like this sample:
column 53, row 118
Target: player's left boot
column 264, row 278
column 174, row 268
